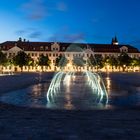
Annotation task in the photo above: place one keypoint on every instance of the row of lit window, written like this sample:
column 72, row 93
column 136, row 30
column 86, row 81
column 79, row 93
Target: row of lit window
column 51, row 54
column 67, row 55
column 56, row 54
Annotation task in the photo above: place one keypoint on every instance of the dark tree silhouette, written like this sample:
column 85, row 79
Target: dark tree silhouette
column 21, row 59
column 113, row 61
column 3, row 59
column 97, row 61
column 124, row 60
column 61, row 61
column 79, row 61
column 44, row 60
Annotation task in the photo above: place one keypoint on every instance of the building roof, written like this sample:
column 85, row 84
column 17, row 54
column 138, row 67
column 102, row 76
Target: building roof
column 46, row 46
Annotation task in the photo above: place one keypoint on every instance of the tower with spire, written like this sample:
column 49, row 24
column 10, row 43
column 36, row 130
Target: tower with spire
column 115, row 41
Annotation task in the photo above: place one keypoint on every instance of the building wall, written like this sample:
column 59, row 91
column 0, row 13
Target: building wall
column 56, row 51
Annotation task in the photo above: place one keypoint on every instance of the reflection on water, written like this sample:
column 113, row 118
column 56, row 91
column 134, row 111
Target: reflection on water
column 108, row 83
column 123, row 91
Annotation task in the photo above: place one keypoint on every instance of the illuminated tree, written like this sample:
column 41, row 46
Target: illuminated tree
column 124, row 60
column 21, row 59
column 44, row 60
column 3, row 59
column 61, row 61
column 79, row 61
column 113, row 61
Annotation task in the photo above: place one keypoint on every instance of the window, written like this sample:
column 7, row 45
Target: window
column 46, row 48
column 41, row 48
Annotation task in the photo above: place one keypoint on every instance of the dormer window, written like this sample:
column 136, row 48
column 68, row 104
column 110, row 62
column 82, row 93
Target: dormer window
column 3, row 47
column 55, row 47
column 41, row 48
column 124, row 49
column 46, row 48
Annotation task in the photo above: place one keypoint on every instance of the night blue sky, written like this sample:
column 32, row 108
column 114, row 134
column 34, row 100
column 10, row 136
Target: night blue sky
column 95, row 21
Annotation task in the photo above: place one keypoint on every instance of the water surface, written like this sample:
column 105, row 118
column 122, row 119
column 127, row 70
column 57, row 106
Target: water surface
column 123, row 92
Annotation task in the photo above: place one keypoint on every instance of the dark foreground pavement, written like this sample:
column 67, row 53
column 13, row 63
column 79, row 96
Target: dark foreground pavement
column 19, row 123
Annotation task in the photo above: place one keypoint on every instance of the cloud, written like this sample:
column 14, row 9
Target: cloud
column 95, row 20
column 39, row 9
column 58, row 35
column 61, row 6
column 31, row 33
column 35, row 34
column 74, row 37
column 20, row 32
column 35, row 9
column 136, row 41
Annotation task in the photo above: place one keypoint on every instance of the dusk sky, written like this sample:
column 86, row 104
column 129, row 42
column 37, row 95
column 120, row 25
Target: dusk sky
column 93, row 21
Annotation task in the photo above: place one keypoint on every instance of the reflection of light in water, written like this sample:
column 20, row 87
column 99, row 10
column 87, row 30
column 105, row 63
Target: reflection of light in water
column 68, row 104
column 108, row 84
column 66, row 80
column 6, row 74
column 36, row 92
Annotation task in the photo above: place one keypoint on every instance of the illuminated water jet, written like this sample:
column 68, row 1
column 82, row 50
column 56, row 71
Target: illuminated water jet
column 69, row 82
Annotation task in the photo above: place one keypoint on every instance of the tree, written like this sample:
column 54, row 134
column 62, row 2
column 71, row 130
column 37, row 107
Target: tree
column 21, row 59
column 44, row 60
column 124, row 60
column 79, row 61
column 3, row 59
column 112, row 61
column 98, row 61
column 61, row 61
column 91, row 61
column 135, row 62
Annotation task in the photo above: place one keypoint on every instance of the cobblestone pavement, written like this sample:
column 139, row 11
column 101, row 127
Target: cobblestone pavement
column 18, row 123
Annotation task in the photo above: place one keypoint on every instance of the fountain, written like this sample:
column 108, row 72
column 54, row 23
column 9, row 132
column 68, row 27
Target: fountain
column 69, row 82
column 74, row 86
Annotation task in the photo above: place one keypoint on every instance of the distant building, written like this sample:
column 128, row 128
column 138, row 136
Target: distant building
column 54, row 49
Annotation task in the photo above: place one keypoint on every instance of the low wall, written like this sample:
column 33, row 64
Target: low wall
column 74, row 68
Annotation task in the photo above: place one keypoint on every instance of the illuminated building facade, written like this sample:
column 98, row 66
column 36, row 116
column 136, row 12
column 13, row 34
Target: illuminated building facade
column 54, row 49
